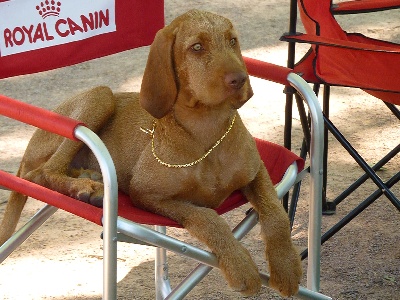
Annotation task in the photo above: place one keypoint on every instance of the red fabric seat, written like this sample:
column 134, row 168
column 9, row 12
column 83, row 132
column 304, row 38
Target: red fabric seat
column 276, row 158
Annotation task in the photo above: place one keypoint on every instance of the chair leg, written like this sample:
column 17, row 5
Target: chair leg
column 188, row 284
column 163, row 287
column 289, row 95
column 22, row 234
column 328, row 208
column 393, row 109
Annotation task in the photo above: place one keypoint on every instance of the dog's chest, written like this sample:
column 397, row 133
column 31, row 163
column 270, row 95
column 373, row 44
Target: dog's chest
column 231, row 165
column 212, row 180
column 211, row 188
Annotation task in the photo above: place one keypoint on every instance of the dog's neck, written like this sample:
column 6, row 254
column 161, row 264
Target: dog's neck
column 192, row 131
column 204, row 124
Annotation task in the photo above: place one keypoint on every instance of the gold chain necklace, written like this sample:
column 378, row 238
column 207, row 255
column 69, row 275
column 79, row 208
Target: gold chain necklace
column 152, row 133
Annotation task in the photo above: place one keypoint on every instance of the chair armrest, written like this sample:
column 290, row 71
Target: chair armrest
column 268, row 71
column 363, row 6
column 38, row 117
column 330, row 42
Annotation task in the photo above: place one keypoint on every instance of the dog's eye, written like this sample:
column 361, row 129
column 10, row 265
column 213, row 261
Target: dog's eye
column 197, row 47
column 232, row 42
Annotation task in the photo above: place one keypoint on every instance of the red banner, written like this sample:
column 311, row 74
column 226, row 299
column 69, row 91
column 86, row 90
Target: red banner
column 40, row 35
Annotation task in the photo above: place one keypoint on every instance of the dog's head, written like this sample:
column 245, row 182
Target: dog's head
column 195, row 60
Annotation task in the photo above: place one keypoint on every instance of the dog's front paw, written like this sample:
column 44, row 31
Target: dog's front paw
column 240, row 271
column 285, row 270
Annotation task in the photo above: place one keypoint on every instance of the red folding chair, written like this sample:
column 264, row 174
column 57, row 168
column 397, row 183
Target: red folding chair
column 339, row 58
column 119, row 218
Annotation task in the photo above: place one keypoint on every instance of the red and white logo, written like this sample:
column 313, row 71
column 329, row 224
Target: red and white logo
column 49, row 8
column 33, row 24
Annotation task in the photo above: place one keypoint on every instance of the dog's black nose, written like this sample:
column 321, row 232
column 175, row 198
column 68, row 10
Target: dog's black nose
column 235, row 80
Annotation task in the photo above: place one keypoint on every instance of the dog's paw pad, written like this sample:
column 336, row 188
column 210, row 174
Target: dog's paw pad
column 241, row 272
column 286, row 272
column 247, row 282
column 286, row 286
column 88, row 191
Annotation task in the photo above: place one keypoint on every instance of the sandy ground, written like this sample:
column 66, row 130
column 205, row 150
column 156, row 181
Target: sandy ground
column 63, row 260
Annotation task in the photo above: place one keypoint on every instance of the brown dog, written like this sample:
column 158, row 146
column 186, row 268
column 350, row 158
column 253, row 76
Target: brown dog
column 185, row 163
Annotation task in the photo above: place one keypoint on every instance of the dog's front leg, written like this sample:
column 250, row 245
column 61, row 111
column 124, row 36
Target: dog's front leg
column 207, row 226
column 284, row 261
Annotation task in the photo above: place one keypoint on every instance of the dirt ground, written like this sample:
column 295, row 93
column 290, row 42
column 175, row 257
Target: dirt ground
column 63, row 260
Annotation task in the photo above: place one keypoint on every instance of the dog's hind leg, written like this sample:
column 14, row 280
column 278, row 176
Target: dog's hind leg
column 48, row 156
column 15, row 204
column 94, row 108
column 54, row 174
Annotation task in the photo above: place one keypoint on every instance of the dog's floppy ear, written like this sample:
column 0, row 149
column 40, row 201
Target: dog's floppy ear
column 159, row 88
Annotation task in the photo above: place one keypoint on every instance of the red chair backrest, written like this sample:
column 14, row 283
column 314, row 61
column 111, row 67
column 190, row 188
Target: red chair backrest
column 317, row 18
column 39, row 35
column 341, row 64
